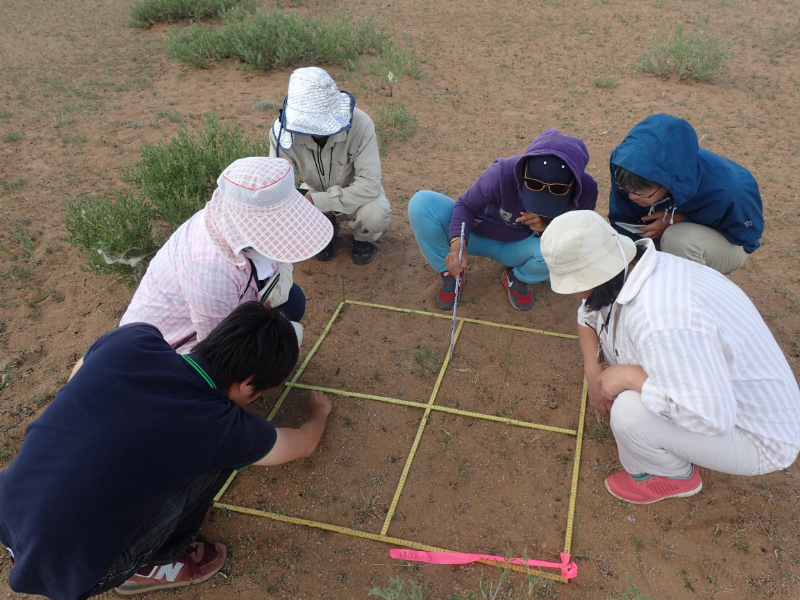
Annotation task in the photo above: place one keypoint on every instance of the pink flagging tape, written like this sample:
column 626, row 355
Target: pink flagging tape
column 568, row 569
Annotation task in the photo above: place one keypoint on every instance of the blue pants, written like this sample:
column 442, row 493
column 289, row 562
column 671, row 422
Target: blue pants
column 295, row 306
column 429, row 214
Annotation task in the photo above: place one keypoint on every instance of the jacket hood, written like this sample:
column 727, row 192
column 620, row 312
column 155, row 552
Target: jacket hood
column 570, row 149
column 662, row 149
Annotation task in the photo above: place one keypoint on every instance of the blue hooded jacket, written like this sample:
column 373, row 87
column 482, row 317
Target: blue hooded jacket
column 495, row 199
column 706, row 189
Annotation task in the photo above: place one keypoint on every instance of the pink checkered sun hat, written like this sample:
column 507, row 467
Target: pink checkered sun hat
column 257, row 206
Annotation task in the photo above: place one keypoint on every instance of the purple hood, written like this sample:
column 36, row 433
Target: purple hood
column 493, row 203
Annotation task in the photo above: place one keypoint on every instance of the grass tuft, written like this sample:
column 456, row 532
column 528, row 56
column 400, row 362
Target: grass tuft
column 149, row 12
column 394, row 122
column 398, row 590
column 697, row 56
column 271, row 40
column 605, row 83
column 114, row 234
column 178, row 176
column 12, row 136
column 264, row 105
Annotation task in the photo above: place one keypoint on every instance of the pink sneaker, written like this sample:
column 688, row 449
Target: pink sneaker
column 646, row 489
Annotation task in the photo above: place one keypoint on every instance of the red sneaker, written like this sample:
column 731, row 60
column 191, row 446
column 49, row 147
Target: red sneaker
column 447, row 293
column 201, row 561
column 519, row 295
column 646, row 489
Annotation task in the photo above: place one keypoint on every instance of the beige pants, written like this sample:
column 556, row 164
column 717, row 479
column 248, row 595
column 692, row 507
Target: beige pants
column 703, row 245
column 649, row 444
column 369, row 221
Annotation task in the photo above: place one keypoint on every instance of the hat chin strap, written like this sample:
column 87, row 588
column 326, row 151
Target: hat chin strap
column 624, row 258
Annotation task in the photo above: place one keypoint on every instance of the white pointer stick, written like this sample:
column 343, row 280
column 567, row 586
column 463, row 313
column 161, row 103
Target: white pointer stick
column 458, row 286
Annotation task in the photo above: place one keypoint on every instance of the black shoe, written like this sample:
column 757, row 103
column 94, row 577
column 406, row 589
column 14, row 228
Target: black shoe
column 363, row 252
column 328, row 251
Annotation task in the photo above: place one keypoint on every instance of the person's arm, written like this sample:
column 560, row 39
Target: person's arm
column 291, row 444
column 688, row 380
column 77, row 366
column 592, row 369
column 366, row 185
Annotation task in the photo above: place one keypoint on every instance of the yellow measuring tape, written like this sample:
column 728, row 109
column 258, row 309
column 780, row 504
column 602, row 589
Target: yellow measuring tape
column 378, row 538
column 430, row 406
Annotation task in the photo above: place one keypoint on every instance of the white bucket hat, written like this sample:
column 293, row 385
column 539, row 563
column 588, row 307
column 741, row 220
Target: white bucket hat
column 313, row 106
column 582, row 251
column 257, row 206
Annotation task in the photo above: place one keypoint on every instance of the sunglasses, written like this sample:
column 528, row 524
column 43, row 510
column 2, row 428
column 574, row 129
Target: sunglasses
column 557, row 189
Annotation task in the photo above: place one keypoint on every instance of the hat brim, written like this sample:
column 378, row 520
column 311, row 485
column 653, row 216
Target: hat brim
column 543, row 203
column 313, row 123
column 294, row 234
column 597, row 273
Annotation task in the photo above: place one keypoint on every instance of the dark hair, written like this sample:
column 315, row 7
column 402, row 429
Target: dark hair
column 605, row 294
column 253, row 341
column 633, row 182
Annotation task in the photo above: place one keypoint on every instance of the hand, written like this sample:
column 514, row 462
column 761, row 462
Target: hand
column 596, row 398
column 309, row 198
column 658, row 224
column 451, row 260
column 535, row 222
column 318, row 404
column 620, row 378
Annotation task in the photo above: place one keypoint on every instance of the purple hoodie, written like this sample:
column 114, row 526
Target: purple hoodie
column 493, row 203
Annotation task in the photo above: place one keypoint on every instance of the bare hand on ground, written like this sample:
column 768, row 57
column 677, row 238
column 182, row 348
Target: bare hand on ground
column 318, row 403
column 596, row 398
column 535, row 222
column 451, row 260
column 658, row 224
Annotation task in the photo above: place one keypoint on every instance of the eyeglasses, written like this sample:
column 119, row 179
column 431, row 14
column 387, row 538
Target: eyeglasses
column 638, row 195
column 557, row 189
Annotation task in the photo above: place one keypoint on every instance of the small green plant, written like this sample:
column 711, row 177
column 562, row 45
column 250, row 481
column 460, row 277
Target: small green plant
column 12, row 136
column 426, row 361
column 114, row 234
column 179, row 176
column 397, row 590
column 264, row 105
column 632, row 593
column 383, row 72
column 271, row 40
column 149, row 12
column 697, row 56
column 5, row 115
column 14, row 184
column 605, row 83
column 74, row 138
column 394, row 122
column 170, row 115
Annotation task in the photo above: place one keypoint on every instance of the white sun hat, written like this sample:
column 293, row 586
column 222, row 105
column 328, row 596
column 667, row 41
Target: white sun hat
column 582, row 251
column 313, row 106
column 257, row 206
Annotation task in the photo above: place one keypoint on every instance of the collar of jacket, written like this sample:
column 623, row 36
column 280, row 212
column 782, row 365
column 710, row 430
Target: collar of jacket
column 640, row 273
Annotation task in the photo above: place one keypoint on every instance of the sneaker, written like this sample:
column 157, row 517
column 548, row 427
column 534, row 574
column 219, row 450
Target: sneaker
column 447, row 293
column 646, row 489
column 201, row 561
column 519, row 295
column 328, row 251
column 363, row 252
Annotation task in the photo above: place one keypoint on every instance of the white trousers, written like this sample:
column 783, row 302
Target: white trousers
column 649, row 444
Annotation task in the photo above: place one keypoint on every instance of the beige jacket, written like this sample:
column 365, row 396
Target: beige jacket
column 345, row 174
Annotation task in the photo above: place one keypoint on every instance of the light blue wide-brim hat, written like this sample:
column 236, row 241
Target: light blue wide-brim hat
column 313, row 106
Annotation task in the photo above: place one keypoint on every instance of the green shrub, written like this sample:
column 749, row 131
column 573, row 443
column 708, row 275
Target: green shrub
column 605, row 83
column 394, row 122
column 149, row 12
column 114, row 234
column 12, row 136
column 697, row 56
column 179, row 176
column 272, row 40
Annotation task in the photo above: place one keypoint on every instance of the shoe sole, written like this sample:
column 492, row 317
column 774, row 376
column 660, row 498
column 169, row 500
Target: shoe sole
column 681, row 495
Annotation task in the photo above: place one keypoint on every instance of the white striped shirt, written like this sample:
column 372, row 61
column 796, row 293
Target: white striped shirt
column 712, row 363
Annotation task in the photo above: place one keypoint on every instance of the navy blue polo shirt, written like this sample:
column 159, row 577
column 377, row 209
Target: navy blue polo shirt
column 135, row 424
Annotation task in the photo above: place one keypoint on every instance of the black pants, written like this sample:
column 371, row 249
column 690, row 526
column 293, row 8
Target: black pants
column 166, row 535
